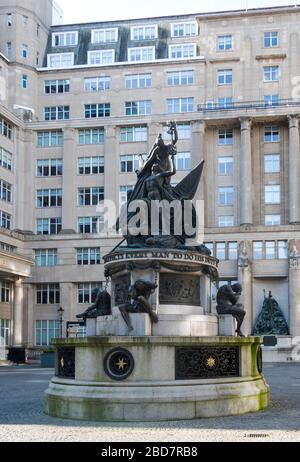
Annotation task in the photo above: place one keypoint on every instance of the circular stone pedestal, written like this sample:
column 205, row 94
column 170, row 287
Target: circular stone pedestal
column 138, row 379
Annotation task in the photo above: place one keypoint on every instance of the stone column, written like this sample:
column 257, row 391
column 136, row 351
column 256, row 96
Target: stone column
column 198, row 142
column 294, row 169
column 245, row 279
column 112, row 168
column 18, row 314
column 294, row 292
column 69, row 199
column 246, row 182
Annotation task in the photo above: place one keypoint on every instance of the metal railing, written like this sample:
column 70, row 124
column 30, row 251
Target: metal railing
column 214, row 107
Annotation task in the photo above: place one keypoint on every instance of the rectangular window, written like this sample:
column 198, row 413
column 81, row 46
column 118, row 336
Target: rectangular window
column 188, row 29
column 271, row 100
column 45, row 332
column 25, row 20
column 24, row 81
column 48, row 198
column 133, row 108
column 104, row 36
column 225, row 103
column 49, row 167
column 89, row 225
column 90, row 196
column 5, row 159
column 224, row 43
column 139, row 33
column 46, row 257
column 133, row 134
column 5, row 191
column 4, row 332
column 283, row 253
column 91, row 136
column 101, row 57
column 90, row 165
column 48, row 226
column 271, row 73
column 270, row 250
column 179, row 105
column 181, row 78
column 9, row 19
column 225, row 77
column 50, row 139
column 226, row 221
column 138, row 81
column 87, row 293
column 57, row 86
column 5, row 292
column 94, row 111
column 225, row 166
column 95, row 84
column 60, row 60
column 226, row 195
column 272, row 163
column 125, row 193
column 272, row 220
column 47, row 294
column 129, row 164
column 258, row 250
column 141, row 54
column 226, row 136
column 9, row 50
column 88, row 256
column 185, row 51
column 57, row 113
column 272, row 135
column 183, row 162
column 6, row 129
column 272, row 194
column 5, row 220
column 221, row 251
column 271, row 39
column 65, row 39
column 24, row 51
column 232, row 251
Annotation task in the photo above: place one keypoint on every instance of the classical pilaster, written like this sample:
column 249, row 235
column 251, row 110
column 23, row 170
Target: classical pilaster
column 294, row 169
column 111, row 186
column 197, row 156
column 245, row 279
column 18, row 314
column 69, row 224
column 294, row 291
column 246, row 181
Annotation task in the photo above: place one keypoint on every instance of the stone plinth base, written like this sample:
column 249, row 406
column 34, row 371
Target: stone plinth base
column 115, row 325
column 185, row 326
column 227, row 325
column 138, row 379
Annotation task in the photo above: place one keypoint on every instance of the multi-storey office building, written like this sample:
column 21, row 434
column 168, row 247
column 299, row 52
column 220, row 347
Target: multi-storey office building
column 79, row 104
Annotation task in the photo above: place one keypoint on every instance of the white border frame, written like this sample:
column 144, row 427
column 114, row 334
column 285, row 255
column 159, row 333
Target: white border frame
column 143, row 26
column 184, row 23
column 49, row 55
column 64, row 33
column 182, row 45
column 116, row 29
column 101, row 51
column 141, row 48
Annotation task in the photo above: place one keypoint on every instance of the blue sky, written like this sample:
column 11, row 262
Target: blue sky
column 77, row 11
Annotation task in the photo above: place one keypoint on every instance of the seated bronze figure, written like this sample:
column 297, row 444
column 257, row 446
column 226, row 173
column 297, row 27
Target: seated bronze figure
column 140, row 293
column 101, row 306
column 227, row 299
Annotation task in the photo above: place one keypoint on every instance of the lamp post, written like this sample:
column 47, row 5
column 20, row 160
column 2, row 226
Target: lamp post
column 60, row 314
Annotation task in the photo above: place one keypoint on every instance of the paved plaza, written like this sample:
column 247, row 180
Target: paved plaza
column 22, row 417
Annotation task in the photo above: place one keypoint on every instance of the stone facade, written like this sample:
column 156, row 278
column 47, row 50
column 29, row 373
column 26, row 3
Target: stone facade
column 242, row 114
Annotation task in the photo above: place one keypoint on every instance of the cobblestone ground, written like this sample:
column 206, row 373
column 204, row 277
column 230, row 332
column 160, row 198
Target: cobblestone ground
column 22, row 418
